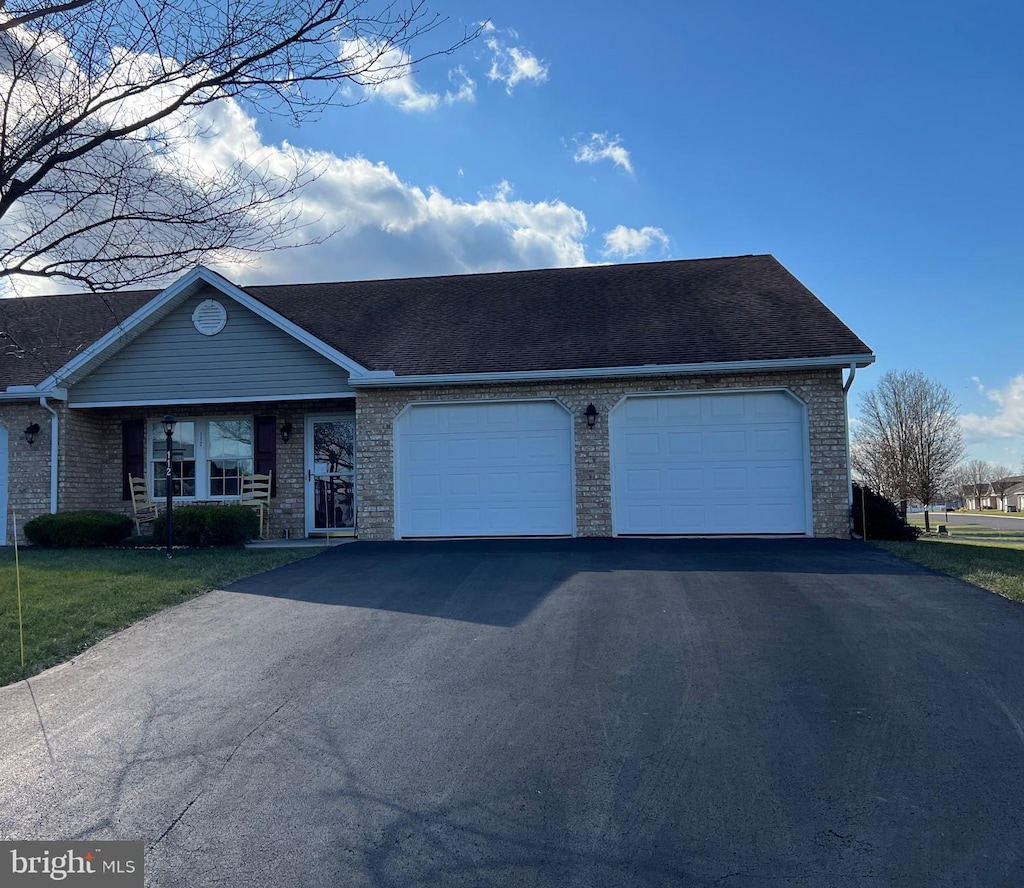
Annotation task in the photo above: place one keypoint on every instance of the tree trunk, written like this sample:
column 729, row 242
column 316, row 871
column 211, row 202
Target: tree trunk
column 927, row 526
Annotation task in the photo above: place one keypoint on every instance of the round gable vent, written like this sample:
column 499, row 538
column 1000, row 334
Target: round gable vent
column 209, row 317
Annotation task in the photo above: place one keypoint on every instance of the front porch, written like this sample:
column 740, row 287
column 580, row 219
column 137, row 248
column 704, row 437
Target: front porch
column 308, row 446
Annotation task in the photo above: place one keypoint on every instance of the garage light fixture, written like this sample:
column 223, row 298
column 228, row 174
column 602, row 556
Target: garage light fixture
column 286, row 432
column 31, row 432
column 591, row 414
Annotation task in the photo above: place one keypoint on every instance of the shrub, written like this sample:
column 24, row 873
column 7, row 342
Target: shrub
column 210, row 525
column 88, row 529
column 884, row 519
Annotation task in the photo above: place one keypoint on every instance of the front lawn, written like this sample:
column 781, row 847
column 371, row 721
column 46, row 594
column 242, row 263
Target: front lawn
column 71, row 598
column 993, row 564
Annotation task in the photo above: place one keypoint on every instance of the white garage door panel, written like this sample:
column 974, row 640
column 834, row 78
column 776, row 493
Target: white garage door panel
column 729, row 463
column 494, row 469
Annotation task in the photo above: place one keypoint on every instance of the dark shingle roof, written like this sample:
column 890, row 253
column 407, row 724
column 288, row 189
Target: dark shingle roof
column 40, row 334
column 743, row 308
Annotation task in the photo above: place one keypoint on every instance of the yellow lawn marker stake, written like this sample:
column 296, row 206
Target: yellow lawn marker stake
column 17, row 580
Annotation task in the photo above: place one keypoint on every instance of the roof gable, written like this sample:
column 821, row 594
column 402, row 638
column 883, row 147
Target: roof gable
column 181, row 360
column 152, row 312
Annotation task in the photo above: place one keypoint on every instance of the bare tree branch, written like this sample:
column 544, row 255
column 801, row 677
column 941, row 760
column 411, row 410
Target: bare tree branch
column 104, row 102
column 908, row 441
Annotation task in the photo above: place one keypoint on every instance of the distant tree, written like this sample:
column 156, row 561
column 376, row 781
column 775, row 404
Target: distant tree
column 908, row 440
column 977, row 474
column 102, row 103
column 955, row 484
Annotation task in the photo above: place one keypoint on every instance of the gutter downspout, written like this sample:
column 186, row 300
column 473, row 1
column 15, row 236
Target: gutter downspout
column 846, row 414
column 54, row 431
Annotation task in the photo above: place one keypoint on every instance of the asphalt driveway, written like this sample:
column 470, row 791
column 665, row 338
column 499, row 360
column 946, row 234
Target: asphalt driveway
column 563, row 713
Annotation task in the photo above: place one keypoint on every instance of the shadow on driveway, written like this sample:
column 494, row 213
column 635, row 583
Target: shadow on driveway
column 501, row 582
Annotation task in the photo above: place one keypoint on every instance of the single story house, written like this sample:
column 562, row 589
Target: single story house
column 685, row 397
column 974, row 495
column 1013, row 497
column 1001, row 495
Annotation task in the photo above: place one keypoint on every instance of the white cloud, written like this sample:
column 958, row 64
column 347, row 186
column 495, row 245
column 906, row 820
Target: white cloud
column 625, row 243
column 511, row 64
column 464, row 85
column 1008, row 420
column 599, row 147
column 373, row 223
column 381, row 226
column 385, row 72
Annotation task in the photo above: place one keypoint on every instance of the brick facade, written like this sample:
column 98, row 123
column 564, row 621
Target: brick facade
column 28, row 465
column 90, row 467
column 820, row 390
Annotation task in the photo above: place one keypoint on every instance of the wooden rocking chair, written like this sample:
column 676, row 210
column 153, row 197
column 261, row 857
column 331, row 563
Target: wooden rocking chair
column 144, row 510
column 256, row 493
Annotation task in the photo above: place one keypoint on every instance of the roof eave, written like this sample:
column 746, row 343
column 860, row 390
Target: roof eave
column 31, row 394
column 388, row 379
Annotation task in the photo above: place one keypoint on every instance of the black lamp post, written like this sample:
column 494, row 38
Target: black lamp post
column 169, row 423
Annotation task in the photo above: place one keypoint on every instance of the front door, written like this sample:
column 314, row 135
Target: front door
column 330, row 474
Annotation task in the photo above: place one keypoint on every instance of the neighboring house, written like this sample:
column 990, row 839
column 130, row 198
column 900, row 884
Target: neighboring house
column 1013, row 498
column 974, row 495
column 690, row 397
column 1002, row 495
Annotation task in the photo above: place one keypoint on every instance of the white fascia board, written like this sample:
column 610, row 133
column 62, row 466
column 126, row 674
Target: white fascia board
column 236, row 399
column 32, row 393
column 838, row 361
column 182, row 288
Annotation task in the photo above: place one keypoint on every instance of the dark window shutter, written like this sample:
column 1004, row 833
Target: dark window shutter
column 133, row 453
column 265, row 448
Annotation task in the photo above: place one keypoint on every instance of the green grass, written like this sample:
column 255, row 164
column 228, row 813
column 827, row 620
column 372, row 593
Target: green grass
column 993, row 564
column 976, row 533
column 74, row 597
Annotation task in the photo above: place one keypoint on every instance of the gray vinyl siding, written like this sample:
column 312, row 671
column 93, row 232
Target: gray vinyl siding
column 249, row 359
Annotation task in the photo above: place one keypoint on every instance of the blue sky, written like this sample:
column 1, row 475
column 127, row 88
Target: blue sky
column 875, row 149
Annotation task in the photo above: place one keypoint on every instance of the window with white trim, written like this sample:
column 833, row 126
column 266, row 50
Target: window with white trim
column 209, row 458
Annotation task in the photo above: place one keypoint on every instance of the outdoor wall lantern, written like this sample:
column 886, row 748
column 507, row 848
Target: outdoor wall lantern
column 169, row 422
column 286, row 432
column 591, row 414
column 31, row 432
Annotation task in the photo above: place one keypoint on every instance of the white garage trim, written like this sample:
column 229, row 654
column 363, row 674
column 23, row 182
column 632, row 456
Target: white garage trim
column 485, row 427
column 628, row 512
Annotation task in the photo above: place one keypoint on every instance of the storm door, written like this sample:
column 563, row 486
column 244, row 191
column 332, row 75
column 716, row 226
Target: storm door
column 330, row 474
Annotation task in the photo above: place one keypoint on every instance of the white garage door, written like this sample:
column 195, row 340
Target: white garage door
column 484, row 469
column 705, row 464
